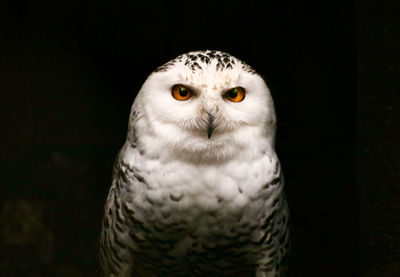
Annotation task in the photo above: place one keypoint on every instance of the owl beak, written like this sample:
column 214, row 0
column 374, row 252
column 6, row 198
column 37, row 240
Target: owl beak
column 210, row 125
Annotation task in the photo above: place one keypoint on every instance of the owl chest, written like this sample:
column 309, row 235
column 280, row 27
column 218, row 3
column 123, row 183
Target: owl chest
column 202, row 202
column 188, row 190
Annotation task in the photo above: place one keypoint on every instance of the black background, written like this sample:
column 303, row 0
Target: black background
column 71, row 69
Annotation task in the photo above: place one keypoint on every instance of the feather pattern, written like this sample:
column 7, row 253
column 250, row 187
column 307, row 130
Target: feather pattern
column 210, row 207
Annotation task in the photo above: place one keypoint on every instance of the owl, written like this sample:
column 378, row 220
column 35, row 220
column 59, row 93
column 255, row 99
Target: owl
column 197, row 188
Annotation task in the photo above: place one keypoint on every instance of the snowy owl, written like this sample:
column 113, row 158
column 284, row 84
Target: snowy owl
column 197, row 188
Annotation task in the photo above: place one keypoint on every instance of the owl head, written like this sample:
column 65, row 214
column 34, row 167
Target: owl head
column 203, row 106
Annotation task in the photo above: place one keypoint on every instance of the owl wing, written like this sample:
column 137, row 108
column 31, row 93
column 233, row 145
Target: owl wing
column 282, row 237
column 277, row 239
column 111, row 257
column 118, row 235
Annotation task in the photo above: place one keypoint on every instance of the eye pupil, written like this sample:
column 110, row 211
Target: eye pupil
column 183, row 92
column 233, row 93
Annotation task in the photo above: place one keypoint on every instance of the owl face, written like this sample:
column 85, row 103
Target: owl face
column 205, row 104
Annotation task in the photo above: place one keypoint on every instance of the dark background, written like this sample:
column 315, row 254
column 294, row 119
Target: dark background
column 70, row 70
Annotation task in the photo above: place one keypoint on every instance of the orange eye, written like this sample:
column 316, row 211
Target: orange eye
column 235, row 94
column 181, row 93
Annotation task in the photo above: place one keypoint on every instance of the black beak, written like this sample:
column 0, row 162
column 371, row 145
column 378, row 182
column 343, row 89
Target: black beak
column 210, row 125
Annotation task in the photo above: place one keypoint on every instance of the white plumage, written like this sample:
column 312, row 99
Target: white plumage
column 197, row 188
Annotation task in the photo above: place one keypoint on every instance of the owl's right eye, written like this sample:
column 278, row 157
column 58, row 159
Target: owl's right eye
column 181, row 93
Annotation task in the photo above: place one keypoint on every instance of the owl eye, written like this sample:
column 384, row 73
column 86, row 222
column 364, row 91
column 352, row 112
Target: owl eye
column 181, row 93
column 235, row 94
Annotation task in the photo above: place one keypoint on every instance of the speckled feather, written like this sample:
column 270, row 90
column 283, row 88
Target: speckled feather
column 200, row 59
column 175, row 209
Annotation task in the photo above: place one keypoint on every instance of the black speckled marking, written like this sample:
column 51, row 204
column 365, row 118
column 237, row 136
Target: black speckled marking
column 165, row 214
column 135, row 173
column 166, row 66
column 272, row 254
column 149, row 200
column 262, row 239
column 276, row 201
column 213, row 213
column 176, row 198
column 268, row 221
column 277, row 180
column 276, row 168
column 199, row 59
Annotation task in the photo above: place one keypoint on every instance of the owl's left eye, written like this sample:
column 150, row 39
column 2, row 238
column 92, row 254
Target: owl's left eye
column 235, row 94
column 181, row 93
